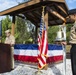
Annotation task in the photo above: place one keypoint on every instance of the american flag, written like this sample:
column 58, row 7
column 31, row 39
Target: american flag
column 43, row 45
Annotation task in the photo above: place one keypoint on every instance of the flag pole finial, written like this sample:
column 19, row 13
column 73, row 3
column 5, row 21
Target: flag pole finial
column 43, row 9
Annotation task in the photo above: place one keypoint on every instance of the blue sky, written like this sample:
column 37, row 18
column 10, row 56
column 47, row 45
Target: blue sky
column 5, row 4
column 71, row 4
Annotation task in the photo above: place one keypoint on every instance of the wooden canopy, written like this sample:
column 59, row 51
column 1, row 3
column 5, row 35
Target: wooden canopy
column 57, row 11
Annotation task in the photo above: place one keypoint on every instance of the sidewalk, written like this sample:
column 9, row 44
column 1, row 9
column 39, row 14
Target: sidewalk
column 23, row 69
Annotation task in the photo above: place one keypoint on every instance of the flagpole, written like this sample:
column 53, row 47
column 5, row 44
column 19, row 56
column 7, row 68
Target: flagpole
column 43, row 11
column 64, row 50
column 64, row 60
column 39, row 72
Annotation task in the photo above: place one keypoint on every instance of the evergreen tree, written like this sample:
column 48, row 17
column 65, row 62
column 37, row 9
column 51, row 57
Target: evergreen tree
column 21, row 32
column 25, row 30
column 52, row 34
column 6, row 24
column 68, row 26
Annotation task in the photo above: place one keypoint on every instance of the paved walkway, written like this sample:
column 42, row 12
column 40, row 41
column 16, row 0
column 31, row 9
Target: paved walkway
column 23, row 69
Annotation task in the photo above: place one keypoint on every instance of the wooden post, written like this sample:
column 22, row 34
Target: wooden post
column 0, row 39
column 46, row 19
column 56, row 14
column 36, row 32
column 46, row 24
column 13, row 25
column 0, row 31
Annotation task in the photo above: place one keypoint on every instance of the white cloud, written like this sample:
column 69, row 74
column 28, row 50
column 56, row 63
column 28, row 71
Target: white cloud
column 71, row 1
column 5, row 4
column 71, row 4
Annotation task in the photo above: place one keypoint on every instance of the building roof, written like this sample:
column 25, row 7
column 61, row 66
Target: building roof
column 32, row 11
column 72, row 11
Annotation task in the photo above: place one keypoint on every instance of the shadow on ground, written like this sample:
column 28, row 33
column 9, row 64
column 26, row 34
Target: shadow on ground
column 68, row 55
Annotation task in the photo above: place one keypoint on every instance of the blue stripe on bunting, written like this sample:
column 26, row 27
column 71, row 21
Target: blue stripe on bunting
column 55, row 47
column 26, row 46
column 35, row 47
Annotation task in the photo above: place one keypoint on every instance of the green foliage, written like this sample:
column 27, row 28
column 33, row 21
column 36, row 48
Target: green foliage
column 6, row 24
column 25, row 30
column 52, row 34
column 68, row 26
column 21, row 32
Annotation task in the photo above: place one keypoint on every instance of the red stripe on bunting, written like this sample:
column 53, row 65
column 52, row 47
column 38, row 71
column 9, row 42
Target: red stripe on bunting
column 35, row 60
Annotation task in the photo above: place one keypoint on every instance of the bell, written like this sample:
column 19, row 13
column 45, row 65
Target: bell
column 59, row 36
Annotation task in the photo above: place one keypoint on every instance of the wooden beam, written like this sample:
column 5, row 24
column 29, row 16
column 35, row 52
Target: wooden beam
column 46, row 19
column 55, row 0
column 32, row 9
column 20, row 16
column 54, row 23
column 56, row 14
column 35, row 16
column 38, row 13
column 53, row 18
column 36, row 34
column 61, row 8
column 13, row 25
column 31, row 19
column 21, row 6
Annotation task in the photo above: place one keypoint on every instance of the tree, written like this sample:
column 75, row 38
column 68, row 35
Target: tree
column 31, row 28
column 21, row 32
column 68, row 31
column 6, row 24
column 52, row 34
column 23, row 29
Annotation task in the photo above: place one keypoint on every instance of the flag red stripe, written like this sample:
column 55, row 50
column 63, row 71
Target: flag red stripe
column 43, row 47
column 42, row 43
column 42, row 60
column 46, row 48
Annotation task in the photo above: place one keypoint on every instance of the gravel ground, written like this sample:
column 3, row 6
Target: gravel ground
column 23, row 69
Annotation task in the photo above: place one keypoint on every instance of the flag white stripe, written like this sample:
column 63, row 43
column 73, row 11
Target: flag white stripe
column 43, row 58
column 44, row 44
column 40, row 62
